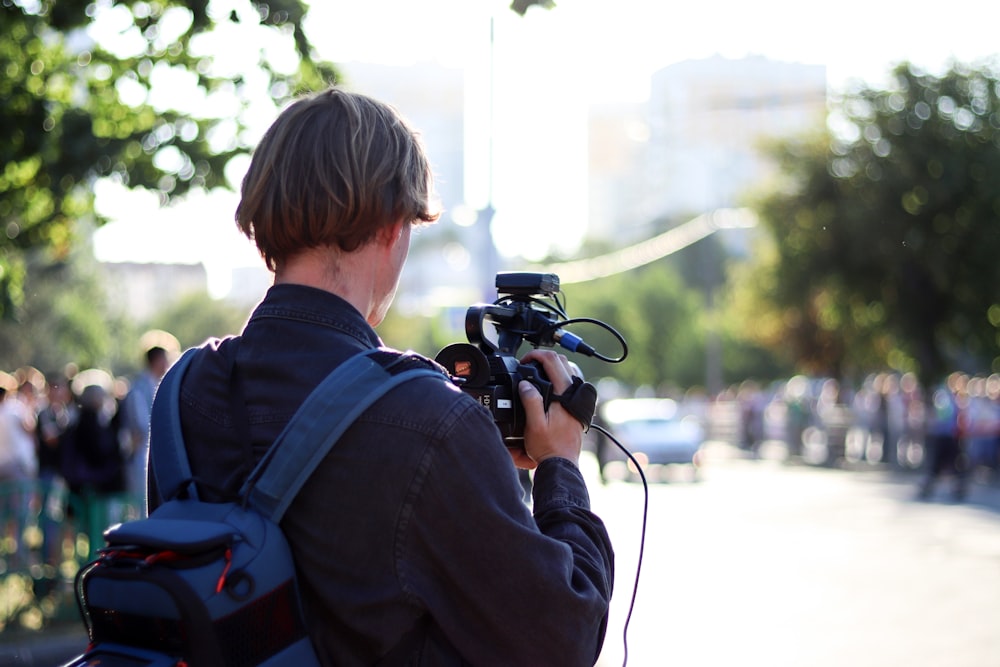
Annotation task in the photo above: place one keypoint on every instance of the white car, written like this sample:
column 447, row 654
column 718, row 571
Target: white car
column 654, row 430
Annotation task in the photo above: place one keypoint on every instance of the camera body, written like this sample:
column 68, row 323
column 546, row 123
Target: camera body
column 488, row 369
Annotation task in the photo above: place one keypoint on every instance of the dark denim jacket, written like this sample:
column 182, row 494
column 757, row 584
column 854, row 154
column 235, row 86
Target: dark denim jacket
column 415, row 518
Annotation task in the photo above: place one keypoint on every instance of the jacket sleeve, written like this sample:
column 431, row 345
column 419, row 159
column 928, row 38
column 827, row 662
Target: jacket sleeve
column 503, row 586
column 562, row 512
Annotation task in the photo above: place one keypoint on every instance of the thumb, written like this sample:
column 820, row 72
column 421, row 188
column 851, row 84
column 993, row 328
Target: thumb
column 531, row 399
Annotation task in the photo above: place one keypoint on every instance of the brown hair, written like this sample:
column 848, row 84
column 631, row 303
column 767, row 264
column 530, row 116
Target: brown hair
column 333, row 169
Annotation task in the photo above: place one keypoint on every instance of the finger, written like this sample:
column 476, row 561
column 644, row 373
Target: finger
column 531, row 400
column 556, row 367
column 521, row 458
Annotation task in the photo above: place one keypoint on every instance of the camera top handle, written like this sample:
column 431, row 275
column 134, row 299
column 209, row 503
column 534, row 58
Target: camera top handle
column 515, row 322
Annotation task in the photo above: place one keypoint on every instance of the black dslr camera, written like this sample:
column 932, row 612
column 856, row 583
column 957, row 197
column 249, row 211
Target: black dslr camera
column 527, row 309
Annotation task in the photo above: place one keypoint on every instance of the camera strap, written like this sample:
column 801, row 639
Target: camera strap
column 580, row 400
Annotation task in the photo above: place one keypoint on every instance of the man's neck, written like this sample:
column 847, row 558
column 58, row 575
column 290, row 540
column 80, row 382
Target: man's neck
column 348, row 275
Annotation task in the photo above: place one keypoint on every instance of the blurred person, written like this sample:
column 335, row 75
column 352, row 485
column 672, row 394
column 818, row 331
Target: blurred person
column 879, row 425
column 983, row 425
column 873, row 413
column 56, row 425
column 799, row 413
column 892, row 416
column 913, row 409
column 18, row 462
column 96, row 465
column 93, row 466
column 56, row 419
column 411, row 537
column 944, row 437
column 864, row 408
column 752, row 401
column 135, row 421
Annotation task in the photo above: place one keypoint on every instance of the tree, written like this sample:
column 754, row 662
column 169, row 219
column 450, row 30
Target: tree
column 886, row 230
column 660, row 319
column 65, row 319
column 196, row 317
column 82, row 91
column 522, row 6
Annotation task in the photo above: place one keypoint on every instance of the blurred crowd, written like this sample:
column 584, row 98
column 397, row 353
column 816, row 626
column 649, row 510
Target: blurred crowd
column 73, row 445
column 953, row 427
column 72, row 454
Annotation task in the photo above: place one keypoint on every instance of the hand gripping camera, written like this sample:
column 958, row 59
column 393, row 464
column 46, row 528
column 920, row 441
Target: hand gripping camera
column 527, row 309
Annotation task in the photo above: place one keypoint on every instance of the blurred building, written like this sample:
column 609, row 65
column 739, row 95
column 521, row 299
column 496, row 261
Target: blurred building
column 620, row 204
column 708, row 119
column 693, row 147
column 701, row 148
column 141, row 290
column 249, row 284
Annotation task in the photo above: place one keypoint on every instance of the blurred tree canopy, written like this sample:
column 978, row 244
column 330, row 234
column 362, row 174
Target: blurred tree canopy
column 660, row 319
column 196, row 317
column 664, row 312
column 885, row 232
column 660, row 310
column 521, row 6
column 65, row 318
column 83, row 88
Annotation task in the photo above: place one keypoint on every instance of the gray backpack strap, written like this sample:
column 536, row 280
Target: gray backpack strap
column 321, row 420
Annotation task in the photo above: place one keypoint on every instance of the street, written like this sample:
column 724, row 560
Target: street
column 766, row 563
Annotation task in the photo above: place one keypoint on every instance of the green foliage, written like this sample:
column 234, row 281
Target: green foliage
column 659, row 309
column 80, row 104
column 196, row 317
column 657, row 314
column 522, row 6
column 425, row 334
column 660, row 319
column 63, row 320
column 887, row 229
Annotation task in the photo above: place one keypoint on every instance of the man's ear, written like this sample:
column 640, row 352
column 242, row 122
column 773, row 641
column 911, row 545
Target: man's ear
column 389, row 234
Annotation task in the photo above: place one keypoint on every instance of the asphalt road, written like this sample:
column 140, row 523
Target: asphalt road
column 769, row 563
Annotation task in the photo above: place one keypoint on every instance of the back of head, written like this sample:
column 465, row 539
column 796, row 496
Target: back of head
column 156, row 360
column 155, row 355
column 332, row 170
column 93, row 397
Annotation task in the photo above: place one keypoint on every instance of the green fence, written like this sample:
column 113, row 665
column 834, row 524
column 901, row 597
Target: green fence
column 46, row 535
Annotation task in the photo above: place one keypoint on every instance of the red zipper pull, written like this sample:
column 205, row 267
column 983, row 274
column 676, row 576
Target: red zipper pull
column 222, row 578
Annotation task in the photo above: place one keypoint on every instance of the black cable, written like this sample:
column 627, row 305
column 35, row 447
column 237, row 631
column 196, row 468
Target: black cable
column 553, row 305
column 607, row 327
column 642, row 532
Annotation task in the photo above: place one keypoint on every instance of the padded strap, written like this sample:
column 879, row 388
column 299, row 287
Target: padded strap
column 167, row 457
column 320, row 421
column 580, row 400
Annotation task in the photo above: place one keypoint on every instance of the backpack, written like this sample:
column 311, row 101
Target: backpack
column 199, row 584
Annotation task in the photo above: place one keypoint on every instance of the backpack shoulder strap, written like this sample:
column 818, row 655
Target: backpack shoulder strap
column 167, row 457
column 322, row 419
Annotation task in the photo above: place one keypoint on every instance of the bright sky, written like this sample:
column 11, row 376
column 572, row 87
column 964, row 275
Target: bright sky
column 548, row 66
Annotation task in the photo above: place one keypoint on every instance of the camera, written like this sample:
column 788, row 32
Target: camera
column 487, row 368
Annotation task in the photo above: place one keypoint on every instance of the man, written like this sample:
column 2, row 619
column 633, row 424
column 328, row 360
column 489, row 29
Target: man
column 55, row 420
column 135, row 421
column 944, row 437
column 56, row 424
column 412, row 532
